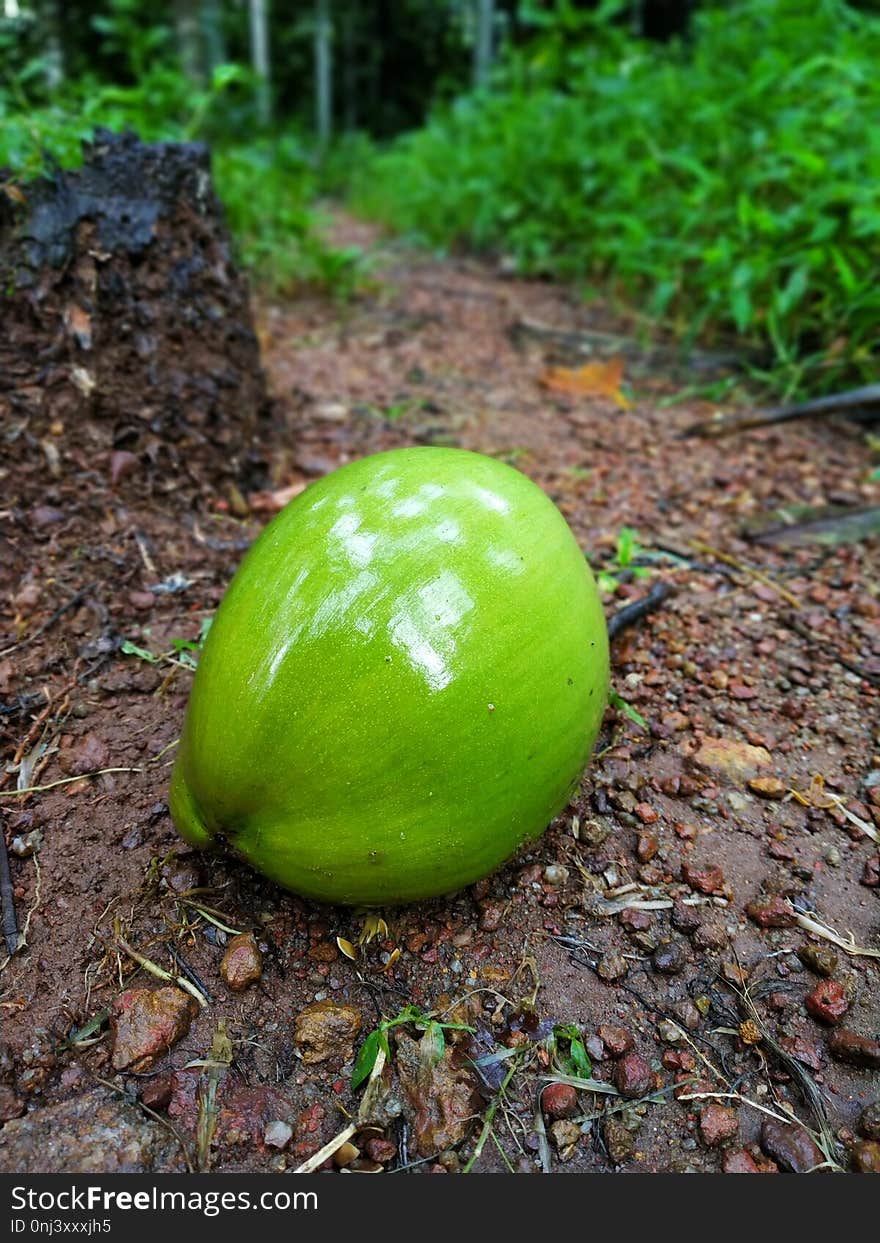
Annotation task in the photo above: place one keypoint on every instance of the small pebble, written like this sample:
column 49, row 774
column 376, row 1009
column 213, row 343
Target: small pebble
column 711, row 936
column 647, row 846
column 24, row 847
column 739, row 1162
column 790, row 1146
column 616, row 1040
column 619, row 1140
column 774, row 912
column 633, row 1076
column 688, row 1015
column 670, row 958
column 277, row 1135
column 491, row 914
column 718, row 1124
column 565, row 1135
column 324, row 1030
column 382, row 1150
column 685, row 917
column 827, row 1002
column 865, row 1157
column 767, row 787
column 555, row 874
column 612, row 966
column 145, row 1023
column 670, row 1033
column 848, row 1046
column 819, row 958
column 242, row 963
column 868, row 1124
column 559, row 1100
column 156, row 1093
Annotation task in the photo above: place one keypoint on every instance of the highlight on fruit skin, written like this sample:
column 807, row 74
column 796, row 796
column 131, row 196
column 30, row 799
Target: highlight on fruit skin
column 402, row 685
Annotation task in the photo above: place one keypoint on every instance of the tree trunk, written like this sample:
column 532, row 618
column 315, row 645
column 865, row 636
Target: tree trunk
column 126, row 325
column 483, row 41
column 213, row 34
column 349, row 66
column 260, row 57
column 49, row 16
column 189, row 44
column 323, row 72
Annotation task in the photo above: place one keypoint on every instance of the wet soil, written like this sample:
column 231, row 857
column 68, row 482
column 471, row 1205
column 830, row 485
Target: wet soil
column 772, row 655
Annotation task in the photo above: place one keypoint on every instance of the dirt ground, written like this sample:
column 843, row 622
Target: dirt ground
column 758, row 675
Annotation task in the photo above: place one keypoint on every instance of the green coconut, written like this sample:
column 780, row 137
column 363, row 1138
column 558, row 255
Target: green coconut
column 402, row 685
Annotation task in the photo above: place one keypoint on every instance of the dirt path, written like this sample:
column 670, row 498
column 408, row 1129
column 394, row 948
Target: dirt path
column 738, row 678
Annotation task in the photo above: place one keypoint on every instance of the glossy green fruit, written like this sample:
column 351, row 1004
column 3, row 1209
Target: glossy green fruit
column 402, row 684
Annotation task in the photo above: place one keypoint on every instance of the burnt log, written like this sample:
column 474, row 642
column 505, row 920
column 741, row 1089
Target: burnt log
column 126, row 325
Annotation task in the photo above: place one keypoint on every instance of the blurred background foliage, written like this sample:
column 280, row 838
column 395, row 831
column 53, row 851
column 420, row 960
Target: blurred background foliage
column 710, row 168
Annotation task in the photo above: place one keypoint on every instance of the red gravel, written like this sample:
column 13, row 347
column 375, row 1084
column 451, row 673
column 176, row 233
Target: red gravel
column 747, row 674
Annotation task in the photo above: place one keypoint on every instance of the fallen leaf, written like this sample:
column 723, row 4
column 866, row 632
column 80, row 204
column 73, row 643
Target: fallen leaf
column 271, row 502
column 597, row 379
column 79, row 324
column 13, row 192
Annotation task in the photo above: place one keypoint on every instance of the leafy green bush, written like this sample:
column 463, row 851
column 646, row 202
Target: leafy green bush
column 730, row 186
column 266, row 185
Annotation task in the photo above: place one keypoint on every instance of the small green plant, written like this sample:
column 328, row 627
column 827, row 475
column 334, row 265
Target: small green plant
column 267, row 188
column 131, row 649
column 378, row 1039
column 183, row 652
column 398, row 409
column 626, row 554
column 568, row 1052
column 617, row 701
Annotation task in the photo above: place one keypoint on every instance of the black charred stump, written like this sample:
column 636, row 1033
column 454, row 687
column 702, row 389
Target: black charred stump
column 125, row 324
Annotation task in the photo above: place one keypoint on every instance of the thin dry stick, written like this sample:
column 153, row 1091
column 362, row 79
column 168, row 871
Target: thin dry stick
column 159, row 972
column 64, row 781
column 47, row 625
column 698, row 1052
column 164, row 751
column 7, row 900
column 831, row 650
column 632, row 613
column 828, row 934
column 213, row 1070
column 581, row 1083
column 333, row 1145
column 504, row 1157
column 99, row 772
column 38, row 725
column 787, row 1119
column 22, row 937
column 817, row 796
column 735, row 564
column 189, row 972
column 834, row 403
column 207, row 913
column 813, row 1098
column 737, row 1096
column 543, row 1143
